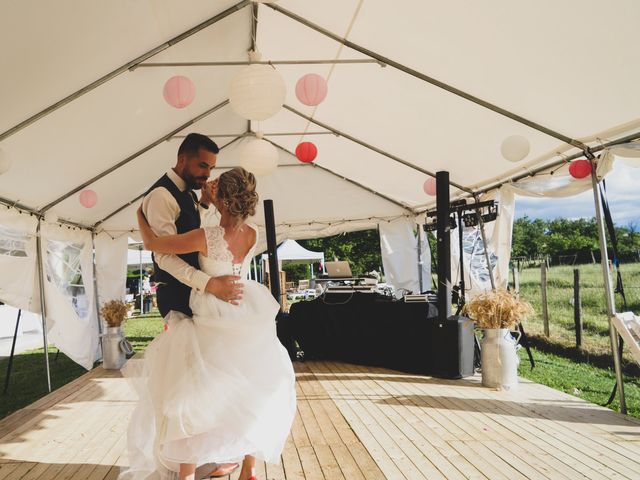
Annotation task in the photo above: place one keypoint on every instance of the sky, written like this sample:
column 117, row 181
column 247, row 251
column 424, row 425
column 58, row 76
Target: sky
column 623, row 193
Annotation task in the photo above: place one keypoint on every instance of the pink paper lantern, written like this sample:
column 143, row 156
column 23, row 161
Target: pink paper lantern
column 429, row 186
column 88, row 198
column 179, row 91
column 311, row 89
column 580, row 168
column 306, row 152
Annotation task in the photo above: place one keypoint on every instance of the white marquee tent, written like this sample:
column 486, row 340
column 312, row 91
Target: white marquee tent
column 415, row 87
column 291, row 251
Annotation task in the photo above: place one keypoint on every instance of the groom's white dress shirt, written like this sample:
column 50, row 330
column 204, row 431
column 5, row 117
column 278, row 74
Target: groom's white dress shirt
column 162, row 210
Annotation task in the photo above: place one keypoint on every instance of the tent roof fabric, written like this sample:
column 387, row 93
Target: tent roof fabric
column 438, row 87
column 291, row 251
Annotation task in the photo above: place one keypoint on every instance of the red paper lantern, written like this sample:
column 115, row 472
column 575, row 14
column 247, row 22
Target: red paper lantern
column 580, row 168
column 88, row 198
column 306, row 152
column 429, row 186
column 311, row 89
column 179, row 91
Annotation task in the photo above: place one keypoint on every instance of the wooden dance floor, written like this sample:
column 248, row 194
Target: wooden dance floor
column 353, row 423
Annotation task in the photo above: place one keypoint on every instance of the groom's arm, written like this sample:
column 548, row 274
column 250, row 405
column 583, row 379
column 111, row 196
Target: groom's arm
column 161, row 211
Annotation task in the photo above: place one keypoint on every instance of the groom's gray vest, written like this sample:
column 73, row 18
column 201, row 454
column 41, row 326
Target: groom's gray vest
column 171, row 293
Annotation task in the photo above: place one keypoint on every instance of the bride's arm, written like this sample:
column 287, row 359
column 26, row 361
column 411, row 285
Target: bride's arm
column 193, row 241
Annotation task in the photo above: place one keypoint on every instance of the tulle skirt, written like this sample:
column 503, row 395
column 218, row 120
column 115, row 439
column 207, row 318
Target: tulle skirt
column 212, row 388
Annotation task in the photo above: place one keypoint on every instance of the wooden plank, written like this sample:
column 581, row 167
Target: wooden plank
column 369, row 441
column 480, row 425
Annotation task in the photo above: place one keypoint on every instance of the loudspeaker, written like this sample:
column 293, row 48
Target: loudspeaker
column 451, row 347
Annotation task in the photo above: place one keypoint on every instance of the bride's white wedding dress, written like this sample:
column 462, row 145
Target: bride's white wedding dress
column 216, row 387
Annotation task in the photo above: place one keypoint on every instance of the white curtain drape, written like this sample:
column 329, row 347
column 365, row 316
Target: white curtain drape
column 111, row 266
column 69, row 291
column 18, row 257
column 550, row 184
column 498, row 234
column 399, row 248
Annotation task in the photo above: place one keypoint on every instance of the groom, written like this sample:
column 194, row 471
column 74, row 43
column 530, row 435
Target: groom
column 171, row 207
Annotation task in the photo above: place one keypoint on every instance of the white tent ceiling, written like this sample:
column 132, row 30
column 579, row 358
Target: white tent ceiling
column 562, row 74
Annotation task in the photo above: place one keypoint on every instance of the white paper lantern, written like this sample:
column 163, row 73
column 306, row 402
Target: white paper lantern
column 257, row 92
column 258, row 156
column 515, row 148
column 5, row 163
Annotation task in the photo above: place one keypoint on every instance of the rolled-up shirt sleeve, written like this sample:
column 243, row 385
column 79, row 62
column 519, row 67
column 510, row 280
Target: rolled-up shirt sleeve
column 162, row 210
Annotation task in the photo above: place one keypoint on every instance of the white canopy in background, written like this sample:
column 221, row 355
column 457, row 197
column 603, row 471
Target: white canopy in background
column 291, row 251
column 414, row 87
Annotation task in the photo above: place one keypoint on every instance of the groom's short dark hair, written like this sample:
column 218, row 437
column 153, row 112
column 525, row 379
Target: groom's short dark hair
column 194, row 142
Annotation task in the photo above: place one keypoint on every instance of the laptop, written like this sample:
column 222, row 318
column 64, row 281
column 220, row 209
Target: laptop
column 338, row 269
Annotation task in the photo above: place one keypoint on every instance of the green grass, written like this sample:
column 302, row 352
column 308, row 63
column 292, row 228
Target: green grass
column 596, row 340
column 580, row 379
column 28, row 380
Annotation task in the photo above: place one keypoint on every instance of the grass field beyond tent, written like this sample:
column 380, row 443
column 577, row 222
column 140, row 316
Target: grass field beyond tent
column 595, row 342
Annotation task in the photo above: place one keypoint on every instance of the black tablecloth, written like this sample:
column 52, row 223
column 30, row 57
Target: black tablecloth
column 367, row 329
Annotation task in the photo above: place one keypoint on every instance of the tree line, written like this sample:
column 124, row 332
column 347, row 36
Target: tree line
column 564, row 241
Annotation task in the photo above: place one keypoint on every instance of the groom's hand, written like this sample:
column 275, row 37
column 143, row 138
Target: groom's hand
column 227, row 288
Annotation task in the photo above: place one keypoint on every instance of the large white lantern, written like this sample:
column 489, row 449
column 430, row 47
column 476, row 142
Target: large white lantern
column 515, row 148
column 5, row 163
column 258, row 91
column 258, row 156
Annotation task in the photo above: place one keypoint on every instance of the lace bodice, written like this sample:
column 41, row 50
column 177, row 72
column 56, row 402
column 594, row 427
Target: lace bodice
column 219, row 259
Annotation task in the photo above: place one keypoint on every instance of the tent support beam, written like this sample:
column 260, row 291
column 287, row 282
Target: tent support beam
column 611, row 305
column 96, row 297
column 274, row 134
column 33, row 211
column 426, row 78
column 270, row 62
column 370, row 147
column 43, row 306
column 119, row 209
column 134, row 156
column 124, row 68
column 346, row 179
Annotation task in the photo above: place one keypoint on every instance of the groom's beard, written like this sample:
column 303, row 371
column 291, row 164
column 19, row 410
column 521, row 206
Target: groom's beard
column 195, row 183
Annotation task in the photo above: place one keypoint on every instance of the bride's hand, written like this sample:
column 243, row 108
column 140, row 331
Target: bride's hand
column 227, row 288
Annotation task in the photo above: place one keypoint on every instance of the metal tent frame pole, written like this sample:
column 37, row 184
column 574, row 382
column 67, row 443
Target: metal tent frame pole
column 13, row 351
column 43, row 303
column 611, row 305
column 485, row 247
column 95, row 292
column 141, row 283
column 420, row 280
column 359, row 61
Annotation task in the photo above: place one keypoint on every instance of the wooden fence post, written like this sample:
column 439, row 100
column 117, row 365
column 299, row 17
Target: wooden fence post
column 516, row 279
column 543, row 288
column 577, row 307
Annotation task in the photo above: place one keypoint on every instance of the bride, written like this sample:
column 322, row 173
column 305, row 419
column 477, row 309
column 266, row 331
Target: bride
column 219, row 387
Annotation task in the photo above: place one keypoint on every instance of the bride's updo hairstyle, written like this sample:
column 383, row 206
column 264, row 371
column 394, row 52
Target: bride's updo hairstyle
column 237, row 190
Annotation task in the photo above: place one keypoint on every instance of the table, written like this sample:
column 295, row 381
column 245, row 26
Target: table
column 372, row 329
